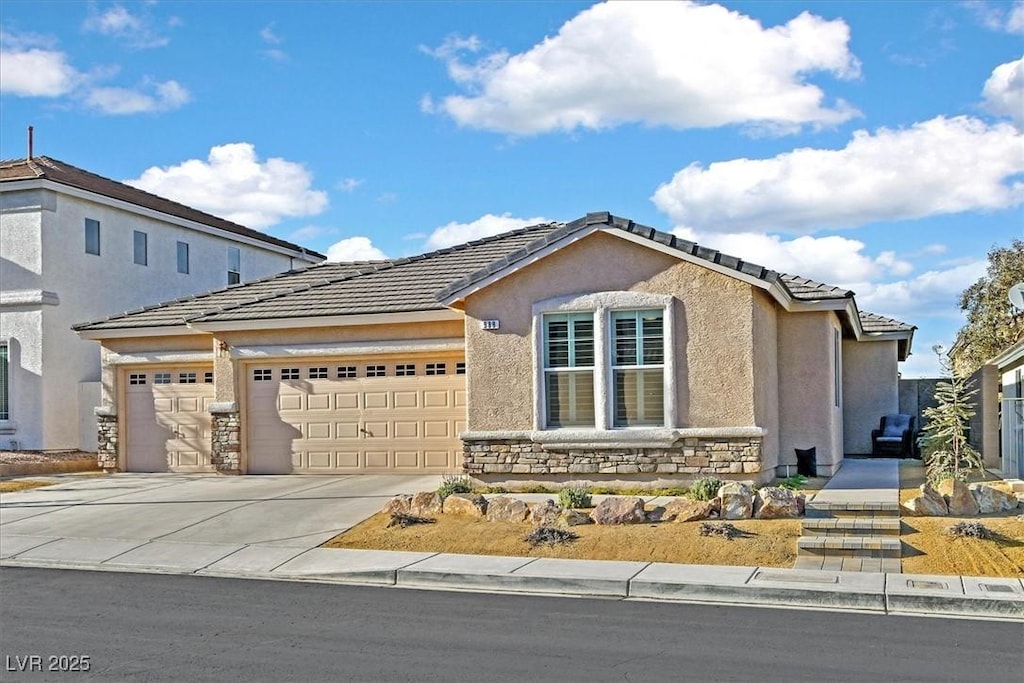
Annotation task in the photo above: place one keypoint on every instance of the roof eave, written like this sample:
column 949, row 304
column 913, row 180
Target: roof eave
column 215, row 326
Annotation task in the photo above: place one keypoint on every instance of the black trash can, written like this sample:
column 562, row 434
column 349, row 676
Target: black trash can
column 807, row 461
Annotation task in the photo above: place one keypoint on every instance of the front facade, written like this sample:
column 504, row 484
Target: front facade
column 1009, row 375
column 597, row 350
column 77, row 246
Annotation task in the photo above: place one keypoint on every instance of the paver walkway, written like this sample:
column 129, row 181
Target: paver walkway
column 853, row 523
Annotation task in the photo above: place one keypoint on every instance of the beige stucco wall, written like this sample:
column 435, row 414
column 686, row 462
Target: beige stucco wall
column 712, row 327
column 808, row 416
column 870, row 390
column 766, row 375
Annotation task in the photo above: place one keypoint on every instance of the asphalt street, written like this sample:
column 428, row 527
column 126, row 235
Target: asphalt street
column 148, row 627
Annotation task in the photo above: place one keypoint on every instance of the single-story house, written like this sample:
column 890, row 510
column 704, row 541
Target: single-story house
column 593, row 350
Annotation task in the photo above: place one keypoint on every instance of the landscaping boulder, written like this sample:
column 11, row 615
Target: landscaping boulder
column 686, row 510
column 958, row 498
column 571, row 517
column 656, row 514
column 775, row 502
column 425, row 504
column 506, row 509
column 399, row 505
column 545, row 514
column 620, row 510
column 991, row 499
column 465, row 504
column 929, row 504
column 737, row 501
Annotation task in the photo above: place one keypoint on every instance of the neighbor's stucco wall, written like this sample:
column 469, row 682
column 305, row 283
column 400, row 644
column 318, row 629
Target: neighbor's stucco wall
column 712, row 328
column 766, row 376
column 43, row 249
column 808, row 416
column 870, row 390
column 984, row 426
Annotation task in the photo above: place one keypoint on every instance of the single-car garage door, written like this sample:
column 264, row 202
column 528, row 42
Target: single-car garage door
column 167, row 425
column 367, row 415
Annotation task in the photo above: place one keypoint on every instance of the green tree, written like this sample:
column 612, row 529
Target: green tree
column 946, row 451
column 993, row 324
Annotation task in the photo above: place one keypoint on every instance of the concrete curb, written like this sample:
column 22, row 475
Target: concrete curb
column 28, row 469
column 947, row 596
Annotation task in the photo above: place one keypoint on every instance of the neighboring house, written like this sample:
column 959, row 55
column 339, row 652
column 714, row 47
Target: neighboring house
column 77, row 246
column 1005, row 375
column 593, row 350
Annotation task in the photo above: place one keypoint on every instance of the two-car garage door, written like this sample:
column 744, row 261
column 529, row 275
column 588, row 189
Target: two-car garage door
column 369, row 415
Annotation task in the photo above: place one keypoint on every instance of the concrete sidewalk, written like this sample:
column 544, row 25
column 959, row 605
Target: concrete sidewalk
column 272, row 527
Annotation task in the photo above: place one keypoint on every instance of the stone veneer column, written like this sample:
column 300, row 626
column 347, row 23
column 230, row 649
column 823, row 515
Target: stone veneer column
column 225, row 437
column 106, row 433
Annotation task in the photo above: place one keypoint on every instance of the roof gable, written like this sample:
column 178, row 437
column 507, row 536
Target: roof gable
column 54, row 170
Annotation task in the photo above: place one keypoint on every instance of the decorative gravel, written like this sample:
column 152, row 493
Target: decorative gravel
column 13, row 457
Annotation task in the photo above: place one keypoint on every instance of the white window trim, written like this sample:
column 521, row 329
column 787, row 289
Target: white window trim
column 602, row 304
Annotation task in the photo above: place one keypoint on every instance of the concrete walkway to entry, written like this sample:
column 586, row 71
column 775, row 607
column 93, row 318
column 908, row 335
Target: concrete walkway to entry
column 863, row 481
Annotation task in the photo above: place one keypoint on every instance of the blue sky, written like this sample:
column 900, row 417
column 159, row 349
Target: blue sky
column 875, row 145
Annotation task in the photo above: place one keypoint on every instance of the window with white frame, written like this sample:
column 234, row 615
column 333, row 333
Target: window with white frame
column 346, row 371
column 161, row 378
column 141, row 244
column 405, row 370
column 836, row 367
column 92, row 236
column 183, row 258
column 376, row 371
column 436, row 369
column 5, row 386
column 262, row 375
column 569, row 369
column 137, row 378
column 289, row 373
column 318, row 373
column 186, row 378
column 638, row 368
column 234, row 266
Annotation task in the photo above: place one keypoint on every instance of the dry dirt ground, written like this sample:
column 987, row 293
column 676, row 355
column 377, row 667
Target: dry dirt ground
column 929, row 549
column 766, row 543
column 13, row 485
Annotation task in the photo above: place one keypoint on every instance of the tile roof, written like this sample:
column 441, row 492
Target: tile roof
column 872, row 323
column 421, row 283
column 48, row 168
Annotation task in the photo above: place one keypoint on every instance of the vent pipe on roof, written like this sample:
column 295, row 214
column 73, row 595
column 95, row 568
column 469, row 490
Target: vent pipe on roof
column 30, row 143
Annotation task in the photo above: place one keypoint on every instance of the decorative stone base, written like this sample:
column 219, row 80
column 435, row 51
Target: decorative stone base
column 106, row 440
column 225, row 446
column 694, row 456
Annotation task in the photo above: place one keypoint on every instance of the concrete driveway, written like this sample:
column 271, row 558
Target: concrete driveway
column 187, row 523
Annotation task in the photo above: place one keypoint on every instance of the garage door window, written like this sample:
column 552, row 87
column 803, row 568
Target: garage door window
column 376, row 371
column 262, row 375
column 436, row 369
column 161, row 378
column 186, row 378
column 289, row 373
column 405, row 370
column 346, row 372
column 137, row 378
column 318, row 373
column 460, row 368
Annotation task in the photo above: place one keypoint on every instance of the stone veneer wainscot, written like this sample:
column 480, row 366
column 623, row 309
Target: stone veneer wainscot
column 106, row 435
column 225, row 438
column 734, row 452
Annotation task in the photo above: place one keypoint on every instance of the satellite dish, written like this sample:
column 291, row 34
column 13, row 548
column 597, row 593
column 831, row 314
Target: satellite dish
column 1017, row 296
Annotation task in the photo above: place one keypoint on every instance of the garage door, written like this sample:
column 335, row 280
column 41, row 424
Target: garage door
column 356, row 416
column 167, row 426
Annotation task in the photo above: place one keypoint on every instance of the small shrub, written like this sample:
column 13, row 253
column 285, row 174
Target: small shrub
column 536, row 488
column 723, row 529
column 454, row 483
column 547, row 535
column 404, row 520
column 494, row 489
column 794, row 483
column 970, row 530
column 574, row 497
column 705, row 488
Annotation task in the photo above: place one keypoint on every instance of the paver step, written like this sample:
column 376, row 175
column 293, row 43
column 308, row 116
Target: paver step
column 849, row 546
column 852, row 526
column 836, row 563
column 818, row 509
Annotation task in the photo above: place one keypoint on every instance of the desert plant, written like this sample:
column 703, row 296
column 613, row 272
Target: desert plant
column 946, row 451
column 723, row 529
column 405, row 520
column 548, row 535
column 705, row 488
column 454, row 483
column 970, row 530
column 794, row 483
column 574, row 497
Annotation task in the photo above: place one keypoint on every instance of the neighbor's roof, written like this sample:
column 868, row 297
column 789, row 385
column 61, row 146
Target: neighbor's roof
column 421, row 283
column 872, row 323
column 48, row 168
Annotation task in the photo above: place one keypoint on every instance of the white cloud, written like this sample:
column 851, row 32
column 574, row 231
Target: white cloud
column 941, row 166
column 161, row 97
column 269, row 37
column 355, row 249
column 235, row 184
column 311, row 232
column 1004, row 91
column 37, row 72
column 349, row 184
column 931, row 294
column 117, row 22
column 387, row 198
column 677, row 64
column 1001, row 16
column 489, row 224
column 832, row 259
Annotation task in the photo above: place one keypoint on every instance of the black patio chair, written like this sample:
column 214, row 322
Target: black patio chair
column 895, row 436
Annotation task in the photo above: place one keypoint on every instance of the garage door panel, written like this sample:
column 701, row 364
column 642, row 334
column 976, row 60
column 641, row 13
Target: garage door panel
column 188, row 404
column 355, row 424
column 167, row 425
